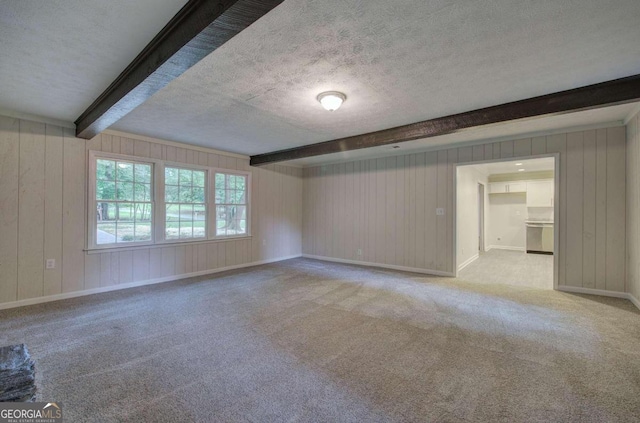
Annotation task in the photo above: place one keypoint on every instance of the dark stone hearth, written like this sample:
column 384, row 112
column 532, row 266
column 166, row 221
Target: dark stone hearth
column 17, row 374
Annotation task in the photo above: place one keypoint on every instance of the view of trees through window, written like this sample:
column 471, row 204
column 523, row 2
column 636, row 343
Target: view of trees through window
column 186, row 210
column 123, row 199
column 231, row 204
column 196, row 203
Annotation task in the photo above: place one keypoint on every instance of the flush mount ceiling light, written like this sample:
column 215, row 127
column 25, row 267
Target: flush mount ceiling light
column 520, row 170
column 518, row 164
column 331, row 100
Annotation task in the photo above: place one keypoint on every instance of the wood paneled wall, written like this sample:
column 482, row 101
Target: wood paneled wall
column 633, row 206
column 387, row 207
column 43, row 215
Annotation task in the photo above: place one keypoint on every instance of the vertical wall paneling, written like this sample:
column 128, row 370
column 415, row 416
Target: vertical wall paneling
column 31, row 210
column 419, row 225
column 53, row 208
column 616, row 209
column 558, row 144
column 390, row 212
column 9, row 181
column 632, row 206
column 601, row 210
column 574, row 206
column 591, row 205
column 73, row 222
column 589, row 210
column 43, row 184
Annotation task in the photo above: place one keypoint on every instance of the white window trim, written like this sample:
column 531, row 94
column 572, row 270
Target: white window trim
column 162, row 238
column 92, row 219
column 158, row 218
column 214, row 227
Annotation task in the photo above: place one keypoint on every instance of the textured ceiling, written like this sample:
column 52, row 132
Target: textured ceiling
column 58, row 56
column 397, row 61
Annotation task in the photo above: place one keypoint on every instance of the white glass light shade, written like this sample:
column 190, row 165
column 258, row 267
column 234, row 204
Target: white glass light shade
column 331, row 100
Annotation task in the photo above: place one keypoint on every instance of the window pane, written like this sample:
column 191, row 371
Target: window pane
column 185, row 176
column 125, row 212
column 171, row 175
column 198, row 195
column 220, row 196
column 143, row 173
column 200, row 221
column 142, row 212
column 142, row 192
column 241, row 212
column 186, row 229
column 172, row 194
column 123, row 202
column 172, row 225
column 105, row 190
column 220, row 181
column 106, row 212
column 106, row 170
column 124, row 191
column 143, row 231
column 186, row 194
column 198, row 178
column 173, row 213
column 124, row 172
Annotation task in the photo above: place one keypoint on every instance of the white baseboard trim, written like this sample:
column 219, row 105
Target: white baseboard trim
column 384, row 266
column 593, row 291
column 602, row 292
column 505, row 247
column 74, row 294
column 468, row 262
column 634, row 300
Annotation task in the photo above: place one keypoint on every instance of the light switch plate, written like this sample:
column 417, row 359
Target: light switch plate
column 440, row 212
column 51, row 263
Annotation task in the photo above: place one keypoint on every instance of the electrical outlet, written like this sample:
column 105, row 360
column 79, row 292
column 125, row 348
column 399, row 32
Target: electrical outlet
column 264, row 242
column 51, row 263
column 440, row 212
column 360, row 251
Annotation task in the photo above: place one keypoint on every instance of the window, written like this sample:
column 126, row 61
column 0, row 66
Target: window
column 185, row 203
column 142, row 201
column 123, row 202
column 231, row 204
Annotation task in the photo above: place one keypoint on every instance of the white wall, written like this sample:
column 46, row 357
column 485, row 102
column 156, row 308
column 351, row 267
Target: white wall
column 633, row 206
column 386, row 207
column 506, row 227
column 467, row 213
column 43, row 215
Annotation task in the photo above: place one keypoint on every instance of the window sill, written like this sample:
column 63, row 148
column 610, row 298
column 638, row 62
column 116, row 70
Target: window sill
column 164, row 244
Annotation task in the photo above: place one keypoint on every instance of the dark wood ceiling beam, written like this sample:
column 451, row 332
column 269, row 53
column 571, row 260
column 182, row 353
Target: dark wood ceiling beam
column 619, row 91
column 199, row 28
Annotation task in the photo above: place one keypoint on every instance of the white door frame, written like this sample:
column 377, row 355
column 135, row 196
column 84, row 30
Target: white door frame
column 481, row 216
column 556, row 208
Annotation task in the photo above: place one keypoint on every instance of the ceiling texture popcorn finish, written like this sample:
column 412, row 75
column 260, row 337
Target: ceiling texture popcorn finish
column 57, row 56
column 398, row 62
column 199, row 28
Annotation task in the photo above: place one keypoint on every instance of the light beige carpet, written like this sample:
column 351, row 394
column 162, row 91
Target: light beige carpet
column 305, row 340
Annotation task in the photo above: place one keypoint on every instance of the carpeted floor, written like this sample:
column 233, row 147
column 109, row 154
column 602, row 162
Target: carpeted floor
column 304, row 340
column 511, row 268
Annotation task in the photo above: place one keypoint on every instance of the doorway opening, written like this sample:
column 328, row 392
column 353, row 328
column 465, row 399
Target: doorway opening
column 506, row 226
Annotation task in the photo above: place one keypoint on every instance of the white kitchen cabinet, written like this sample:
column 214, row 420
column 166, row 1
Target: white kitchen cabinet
column 540, row 193
column 507, row 187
